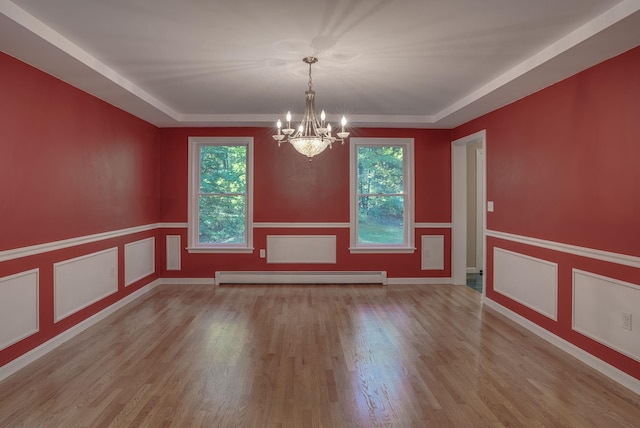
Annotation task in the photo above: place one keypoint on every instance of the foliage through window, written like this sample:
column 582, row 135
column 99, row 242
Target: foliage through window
column 381, row 193
column 220, row 204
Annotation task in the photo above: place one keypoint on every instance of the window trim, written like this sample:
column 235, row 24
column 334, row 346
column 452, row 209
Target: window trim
column 409, row 182
column 195, row 143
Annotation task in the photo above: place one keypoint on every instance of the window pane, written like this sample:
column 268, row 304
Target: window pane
column 221, row 220
column 380, row 170
column 381, row 219
column 223, row 169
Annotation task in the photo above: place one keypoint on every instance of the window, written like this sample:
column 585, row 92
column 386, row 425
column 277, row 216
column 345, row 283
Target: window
column 220, row 194
column 382, row 195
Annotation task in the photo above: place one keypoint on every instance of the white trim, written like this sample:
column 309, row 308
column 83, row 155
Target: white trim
column 419, row 281
column 480, row 211
column 25, row 359
column 285, row 225
column 17, row 253
column 176, row 225
column 432, row 225
column 186, row 281
column 603, row 367
column 592, row 253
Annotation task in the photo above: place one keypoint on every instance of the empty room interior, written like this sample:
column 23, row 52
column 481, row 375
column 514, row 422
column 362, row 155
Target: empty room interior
column 398, row 213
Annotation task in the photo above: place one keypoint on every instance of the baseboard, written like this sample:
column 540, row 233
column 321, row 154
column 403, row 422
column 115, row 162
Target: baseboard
column 603, row 367
column 187, row 281
column 22, row 361
column 419, row 281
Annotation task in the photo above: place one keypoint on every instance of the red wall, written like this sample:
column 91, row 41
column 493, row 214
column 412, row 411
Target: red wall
column 70, row 166
column 562, row 165
column 289, row 188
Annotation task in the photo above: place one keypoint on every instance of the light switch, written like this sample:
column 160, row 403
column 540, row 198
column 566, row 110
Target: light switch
column 490, row 206
column 263, row 253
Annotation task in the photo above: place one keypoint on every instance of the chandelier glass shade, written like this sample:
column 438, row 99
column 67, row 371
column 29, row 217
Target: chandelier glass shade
column 312, row 135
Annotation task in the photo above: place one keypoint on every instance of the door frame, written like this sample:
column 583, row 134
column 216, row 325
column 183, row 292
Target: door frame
column 480, row 212
column 459, row 207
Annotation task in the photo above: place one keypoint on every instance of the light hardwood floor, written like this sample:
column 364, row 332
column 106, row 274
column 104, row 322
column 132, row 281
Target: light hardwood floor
column 311, row 356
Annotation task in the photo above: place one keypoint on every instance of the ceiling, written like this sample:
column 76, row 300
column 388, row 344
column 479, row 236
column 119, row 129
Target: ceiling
column 393, row 63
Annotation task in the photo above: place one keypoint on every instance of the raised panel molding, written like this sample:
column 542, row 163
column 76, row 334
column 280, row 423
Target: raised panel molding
column 174, row 261
column 139, row 260
column 18, row 307
column 301, row 249
column 598, row 305
column 82, row 281
column 527, row 280
column 432, row 252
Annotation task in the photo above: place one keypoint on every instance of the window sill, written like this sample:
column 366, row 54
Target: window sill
column 236, row 250
column 382, row 250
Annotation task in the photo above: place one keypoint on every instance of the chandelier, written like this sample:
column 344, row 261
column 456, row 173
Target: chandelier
column 312, row 136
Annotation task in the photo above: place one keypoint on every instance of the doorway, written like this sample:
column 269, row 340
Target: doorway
column 468, row 251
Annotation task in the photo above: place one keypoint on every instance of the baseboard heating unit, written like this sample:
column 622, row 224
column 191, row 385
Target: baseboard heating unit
column 301, row 277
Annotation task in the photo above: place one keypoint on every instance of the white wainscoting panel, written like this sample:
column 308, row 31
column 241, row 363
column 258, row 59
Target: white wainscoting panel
column 79, row 282
column 598, row 305
column 528, row 280
column 139, row 260
column 18, row 307
column 301, row 249
column 173, row 252
column 432, row 252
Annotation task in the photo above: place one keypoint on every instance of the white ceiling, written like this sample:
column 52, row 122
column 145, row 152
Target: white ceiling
column 398, row 63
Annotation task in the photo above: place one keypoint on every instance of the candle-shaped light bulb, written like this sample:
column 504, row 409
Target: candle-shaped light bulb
column 288, row 119
column 343, row 122
column 279, row 125
column 322, row 117
column 300, row 128
column 329, row 130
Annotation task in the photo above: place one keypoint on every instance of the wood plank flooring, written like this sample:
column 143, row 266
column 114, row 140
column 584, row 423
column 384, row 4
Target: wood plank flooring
column 311, row 356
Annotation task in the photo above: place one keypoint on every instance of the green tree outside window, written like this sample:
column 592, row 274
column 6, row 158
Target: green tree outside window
column 222, row 194
column 380, row 195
